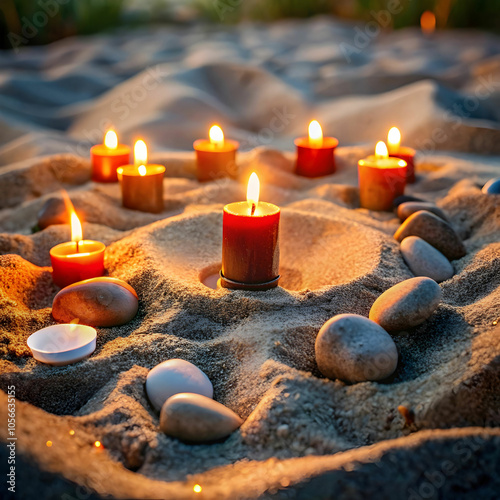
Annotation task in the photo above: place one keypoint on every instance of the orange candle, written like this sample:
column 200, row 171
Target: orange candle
column 403, row 153
column 315, row 153
column 381, row 179
column 250, row 242
column 107, row 157
column 142, row 183
column 216, row 158
column 78, row 259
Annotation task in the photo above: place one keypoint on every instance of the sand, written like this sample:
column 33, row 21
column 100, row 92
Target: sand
column 304, row 436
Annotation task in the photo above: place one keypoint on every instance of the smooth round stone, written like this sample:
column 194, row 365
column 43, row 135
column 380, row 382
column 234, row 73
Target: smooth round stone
column 54, row 211
column 197, row 419
column 96, row 302
column 403, row 199
column 410, row 207
column 492, row 186
column 355, row 349
column 435, row 231
column 424, row 260
column 406, row 304
column 173, row 377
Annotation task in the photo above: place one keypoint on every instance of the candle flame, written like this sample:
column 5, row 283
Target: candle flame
column 140, row 153
column 393, row 140
column 315, row 134
column 428, row 22
column 381, row 151
column 142, row 170
column 253, row 192
column 111, row 139
column 216, row 136
column 76, row 228
column 197, row 488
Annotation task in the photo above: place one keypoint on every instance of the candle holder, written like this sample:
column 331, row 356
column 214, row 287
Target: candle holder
column 215, row 161
column 255, row 287
column 408, row 155
column 315, row 161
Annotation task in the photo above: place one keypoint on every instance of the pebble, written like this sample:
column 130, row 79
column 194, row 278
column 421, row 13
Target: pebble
column 492, row 186
column 98, row 302
column 353, row 348
column 173, row 377
column 406, row 304
column 410, row 207
column 403, row 199
column 424, row 260
column 197, row 419
column 54, row 211
column 435, row 231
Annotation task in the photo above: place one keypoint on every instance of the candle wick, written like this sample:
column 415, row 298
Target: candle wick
column 254, row 206
column 77, row 247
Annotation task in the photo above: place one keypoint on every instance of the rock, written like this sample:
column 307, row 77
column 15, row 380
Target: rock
column 355, row 349
column 424, row 260
column 435, row 231
column 197, row 419
column 96, row 302
column 492, row 186
column 173, row 377
column 403, row 199
column 410, row 207
column 406, row 304
column 52, row 212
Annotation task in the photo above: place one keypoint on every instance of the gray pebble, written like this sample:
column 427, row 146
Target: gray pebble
column 410, row 207
column 197, row 419
column 492, row 186
column 424, row 260
column 406, row 304
column 355, row 349
column 435, row 231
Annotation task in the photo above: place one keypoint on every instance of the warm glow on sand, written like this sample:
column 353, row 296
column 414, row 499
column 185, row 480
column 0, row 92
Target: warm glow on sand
column 381, row 151
column 393, row 140
column 428, row 22
column 140, row 153
column 197, row 488
column 49, row 444
column 111, row 139
column 97, row 444
column 315, row 134
column 216, row 136
column 253, row 190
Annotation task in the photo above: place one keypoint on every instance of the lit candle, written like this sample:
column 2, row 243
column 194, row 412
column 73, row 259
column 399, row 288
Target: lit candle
column 107, row 157
column 78, row 259
column 315, row 153
column 404, row 153
column 381, row 179
column 216, row 158
column 142, row 183
column 250, row 242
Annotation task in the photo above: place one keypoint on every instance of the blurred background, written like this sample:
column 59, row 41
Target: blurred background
column 44, row 21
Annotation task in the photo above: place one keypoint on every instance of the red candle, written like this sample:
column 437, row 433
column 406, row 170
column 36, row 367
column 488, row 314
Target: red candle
column 250, row 242
column 216, row 158
column 398, row 151
column 381, row 179
column 142, row 183
column 78, row 259
column 107, row 157
column 315, row 153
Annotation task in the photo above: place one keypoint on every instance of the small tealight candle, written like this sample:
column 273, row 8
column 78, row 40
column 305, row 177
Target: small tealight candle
column 315, row 153
column 107, row 157
column 250, row 242
column 78, row 259
column 216, row 158
column 381, row 179
column 404, row 153
column 142, row 183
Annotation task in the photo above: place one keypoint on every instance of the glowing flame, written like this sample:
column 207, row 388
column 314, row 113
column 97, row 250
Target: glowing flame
column 253, row 192
column 381, row 151
column 428, row 22
column 111, row 139
column 140, row 153
column 142, row 170
column 216, row 136
column 76, row 228
column 97, row 444
column 71, row 432
column 197, row 488
column 49, row 444
column 315, row 134
column 393, row 140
